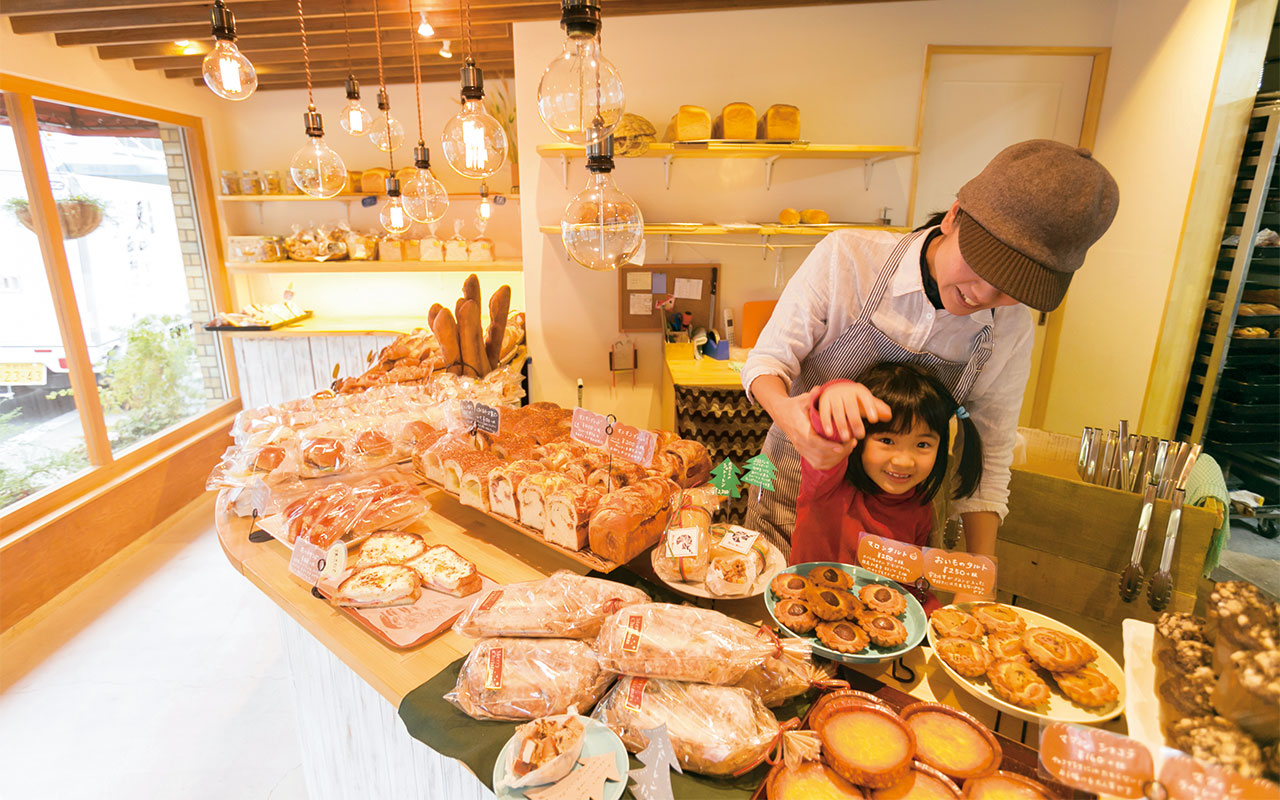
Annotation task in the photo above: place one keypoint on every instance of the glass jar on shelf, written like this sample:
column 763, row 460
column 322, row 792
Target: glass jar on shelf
column 250, row 182
column 230, row 182
column 272, row 183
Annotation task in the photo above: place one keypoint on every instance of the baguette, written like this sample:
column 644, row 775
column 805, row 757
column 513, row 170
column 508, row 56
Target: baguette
column 446, row 330
column 474, row 361
column 436, row 308
column 499, row 305
column 471, row 289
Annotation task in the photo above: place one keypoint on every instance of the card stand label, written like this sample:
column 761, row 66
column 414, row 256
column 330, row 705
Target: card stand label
column 480, row 417
column 635, row 694
column 1095, row 761
column 309, row 561
column 683, row 542
column 897, row 561
column 739, row 539
column 953, row 571
column 632, row 444
column 1184, row 778
column 589, row 428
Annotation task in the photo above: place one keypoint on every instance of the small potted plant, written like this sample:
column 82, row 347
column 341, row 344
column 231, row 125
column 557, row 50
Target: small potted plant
column 80, row 214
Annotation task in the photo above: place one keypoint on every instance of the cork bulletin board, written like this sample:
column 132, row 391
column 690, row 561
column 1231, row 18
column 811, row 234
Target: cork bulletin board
column 696, row 288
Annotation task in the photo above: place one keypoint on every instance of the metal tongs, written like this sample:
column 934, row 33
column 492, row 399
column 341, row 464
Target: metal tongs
column 1161, row 589
column 1131, row 578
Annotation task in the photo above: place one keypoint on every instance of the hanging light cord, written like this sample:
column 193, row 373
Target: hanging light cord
column 346, row 30
column 417, row 76
column 382, row 84
column 465, row 7
column 306, row 57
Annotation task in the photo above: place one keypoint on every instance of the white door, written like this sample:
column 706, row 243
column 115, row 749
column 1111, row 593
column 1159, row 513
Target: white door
column 974, row 107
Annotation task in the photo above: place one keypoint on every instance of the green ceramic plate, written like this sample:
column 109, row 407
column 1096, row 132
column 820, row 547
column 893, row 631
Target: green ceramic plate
column 914, row 617
column 596, row 740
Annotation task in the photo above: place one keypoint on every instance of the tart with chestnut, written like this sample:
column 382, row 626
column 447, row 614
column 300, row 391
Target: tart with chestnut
column 832, row 577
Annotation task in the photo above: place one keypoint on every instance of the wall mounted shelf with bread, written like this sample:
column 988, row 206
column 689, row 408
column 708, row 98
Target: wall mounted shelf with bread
column 748, row 229
column 343, row 196
column 769, row 153
column 376, row 266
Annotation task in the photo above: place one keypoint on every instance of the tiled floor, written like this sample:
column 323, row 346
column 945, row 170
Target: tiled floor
column 162, row 679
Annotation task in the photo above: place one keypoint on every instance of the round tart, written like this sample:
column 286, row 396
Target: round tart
column 1006, row 645
column 951, row 741
column 1057, row 651
column 866, row 744
column 1005, row 786
column 831, row 576
column 954, row 622
column 882, row 599
column 849, row 697
column 997, row 618
column 922, row 782
column 795, row 615
column 843, row 636
column 1018, row 683
column 965, row 656
column 884, row 630
column 789, row 585
column 1087, row 686
column 827, row 603
column 810, row 780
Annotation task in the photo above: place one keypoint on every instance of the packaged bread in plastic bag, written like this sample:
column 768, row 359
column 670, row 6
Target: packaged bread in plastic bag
column 787, row 674
column 562, row 605
column 528, row 678
column 685, row 549
column 714, row 730
column 683, row 643
column 737, row 560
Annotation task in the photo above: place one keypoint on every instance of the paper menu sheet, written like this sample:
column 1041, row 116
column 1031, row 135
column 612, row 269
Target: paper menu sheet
column 641, row 304
column 688, row 289
column 639, row 281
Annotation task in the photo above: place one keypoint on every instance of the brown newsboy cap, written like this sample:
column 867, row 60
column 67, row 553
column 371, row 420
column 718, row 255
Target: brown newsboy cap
column 1028, row 218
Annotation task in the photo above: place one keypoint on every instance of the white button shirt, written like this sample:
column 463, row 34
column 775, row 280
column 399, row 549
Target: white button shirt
column 825, row 297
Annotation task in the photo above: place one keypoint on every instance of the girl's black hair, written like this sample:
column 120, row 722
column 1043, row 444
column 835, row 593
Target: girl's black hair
column 914, row 395
column 934, row 219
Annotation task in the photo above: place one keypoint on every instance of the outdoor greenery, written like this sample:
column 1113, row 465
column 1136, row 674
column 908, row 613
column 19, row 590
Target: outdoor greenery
column 152, row 380
column 19, row 479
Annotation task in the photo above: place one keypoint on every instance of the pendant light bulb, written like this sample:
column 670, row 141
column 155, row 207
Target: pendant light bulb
column 474, row 143
column 386, row 133
column 424, row 28
column 580, row 96
column 484, row 209
column 423, row 196
column 317, row 169
column 445, row 52
column 602, row 227
column 355, row 118
column 225, row 69
column 393, row 216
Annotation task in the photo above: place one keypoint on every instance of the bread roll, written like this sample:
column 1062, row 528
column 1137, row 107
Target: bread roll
column 374, row 181
column 814, row 216
column 528, row 678
column 788, row 216
column 562, row 605
column 629, row 521
column 736, row 121
column 779, row 122
column 690, row 123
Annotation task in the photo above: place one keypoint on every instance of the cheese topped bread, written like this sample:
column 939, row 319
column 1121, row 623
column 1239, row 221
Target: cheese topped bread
column 445, row 571
column 379, row 587
column 389, row 547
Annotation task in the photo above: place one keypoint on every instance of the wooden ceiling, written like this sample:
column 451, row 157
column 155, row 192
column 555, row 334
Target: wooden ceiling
column 147, row 32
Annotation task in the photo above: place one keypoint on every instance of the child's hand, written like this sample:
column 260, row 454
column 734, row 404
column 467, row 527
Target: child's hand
column 794, row 417
column 842, row 407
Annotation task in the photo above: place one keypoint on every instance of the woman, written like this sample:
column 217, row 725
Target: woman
column 952, row 298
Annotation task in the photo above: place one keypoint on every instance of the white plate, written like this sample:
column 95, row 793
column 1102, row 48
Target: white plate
column 1060, row 708
column 774, row 562
column 597, row 739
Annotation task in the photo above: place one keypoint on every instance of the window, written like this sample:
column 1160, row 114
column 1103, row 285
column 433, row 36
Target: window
column 102, row 349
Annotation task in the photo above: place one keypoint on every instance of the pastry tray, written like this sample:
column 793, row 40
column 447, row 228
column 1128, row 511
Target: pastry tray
column 273, row 326
column 583, row 556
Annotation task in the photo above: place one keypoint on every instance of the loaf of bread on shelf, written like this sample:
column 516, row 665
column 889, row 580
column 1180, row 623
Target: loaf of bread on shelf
column 568, row 513
column 443, row 570
column 779, row 122
column 736, row 121
column 695, row 462
column 473, row 483
column 562, row 605
column 531, row 497
column 788, row 216
column 631, row 520
column 690, row 123
column 504, row 483
column 404, row 175
column 374, row 180
column 444, row 452
column 814, row 216
column 616, row 476
column 665, row 465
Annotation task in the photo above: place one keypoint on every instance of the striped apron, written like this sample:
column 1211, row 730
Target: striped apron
column 861, row 346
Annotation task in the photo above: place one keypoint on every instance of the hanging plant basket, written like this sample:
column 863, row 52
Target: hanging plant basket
column 79, row 217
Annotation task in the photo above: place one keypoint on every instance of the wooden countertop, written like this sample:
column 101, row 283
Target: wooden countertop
column 497, row 551
column 707, row 372
column 320, row 325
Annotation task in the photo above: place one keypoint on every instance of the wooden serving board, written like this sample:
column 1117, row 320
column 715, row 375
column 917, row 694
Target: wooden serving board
column 584, row 556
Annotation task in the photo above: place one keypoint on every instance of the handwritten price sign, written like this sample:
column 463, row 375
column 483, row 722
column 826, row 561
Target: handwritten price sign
column 310, row 562
column 589, row 428
column 479, row 417
column 960, row 572
column 1095, row 761
column 632, row 444
column 1187, row 779
column 897, row 561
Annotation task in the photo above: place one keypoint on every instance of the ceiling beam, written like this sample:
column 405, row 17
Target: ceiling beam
column 165, row 46
column 339, row 72
column 365, row 56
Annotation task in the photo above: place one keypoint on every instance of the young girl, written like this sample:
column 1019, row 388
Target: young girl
column 885, row 486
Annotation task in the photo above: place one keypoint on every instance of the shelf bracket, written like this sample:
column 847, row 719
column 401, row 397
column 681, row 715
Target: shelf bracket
column 868, row 167
column 778, row 280
column 666, row 168
column 564, row 168
column 764, row 247
column 768, row 171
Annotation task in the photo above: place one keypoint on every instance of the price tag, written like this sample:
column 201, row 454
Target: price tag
column 493, row 669
column 1095, row 761
column 480, row 417
column 631, row 639
column 632, row 444
column 683, row 542
column 739, row 539
column 635, row 694
column 308, row 561
column 588, row 427
column 897, row 561
column 1184, row 778
column 960, row 572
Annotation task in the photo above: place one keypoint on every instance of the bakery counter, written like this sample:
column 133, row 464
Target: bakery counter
column 325, row 325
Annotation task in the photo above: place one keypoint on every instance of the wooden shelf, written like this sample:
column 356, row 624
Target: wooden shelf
column 698, row 229
column 341, row 267
column 714, row 149
column 346, row 196
column 340, row 326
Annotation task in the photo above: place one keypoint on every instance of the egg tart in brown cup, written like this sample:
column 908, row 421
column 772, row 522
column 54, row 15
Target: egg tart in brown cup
column 810, row 780
column 952, row 742
column 1006, row 786
column 866, row 744
column 849, row 696
column 922, row 782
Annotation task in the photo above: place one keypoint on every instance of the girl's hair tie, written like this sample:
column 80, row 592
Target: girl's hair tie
column 962, row 412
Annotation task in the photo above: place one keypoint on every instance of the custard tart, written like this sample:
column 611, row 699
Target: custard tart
column 866, row 744
column 882, row 599
column 997, row 618
column 965, row 656
column 1018, row 683
column 1057, row 651
column 1006, row 786
column 827, row 603
column 951, row 741
column 922, row 782
column 789, row 585
column 810, row 780
column 843, row 636
column 954, row 622
column 1087, row 687
column 833, row 577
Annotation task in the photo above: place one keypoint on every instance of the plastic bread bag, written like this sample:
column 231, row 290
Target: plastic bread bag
column 312, row 517
column 507, row 678
column 738, row 558
column 714, row 730
column 546, row 750
column 321, row 455
column 787, row 674
column 683, row 643
column 561, row 605
column 685, row 550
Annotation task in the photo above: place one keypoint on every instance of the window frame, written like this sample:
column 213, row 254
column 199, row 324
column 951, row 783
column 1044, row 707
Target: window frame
column 19, row 95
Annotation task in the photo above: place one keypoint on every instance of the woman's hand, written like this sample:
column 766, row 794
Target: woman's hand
column 791, row 414
column 844, row 405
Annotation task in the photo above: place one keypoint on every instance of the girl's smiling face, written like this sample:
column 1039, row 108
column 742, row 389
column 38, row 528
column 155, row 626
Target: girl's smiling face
column 898, row 462
column 962, row 291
